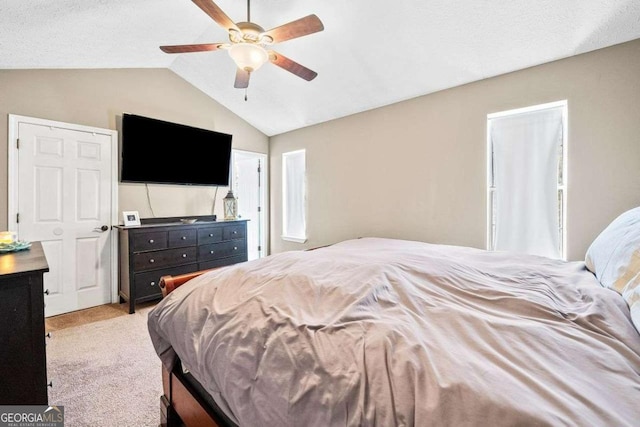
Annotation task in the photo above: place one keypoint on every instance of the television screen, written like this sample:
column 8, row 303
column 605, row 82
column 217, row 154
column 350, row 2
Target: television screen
column 156, row 151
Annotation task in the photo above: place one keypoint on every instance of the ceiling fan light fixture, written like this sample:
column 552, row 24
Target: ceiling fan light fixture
column 248, row 56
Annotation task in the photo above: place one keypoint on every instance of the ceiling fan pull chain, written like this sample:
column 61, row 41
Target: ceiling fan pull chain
column 245, row 94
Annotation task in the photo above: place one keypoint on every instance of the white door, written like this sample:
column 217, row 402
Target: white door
column 249, row 186
column 64, row 199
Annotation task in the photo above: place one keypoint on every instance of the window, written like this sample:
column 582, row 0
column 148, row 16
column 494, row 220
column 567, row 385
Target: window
column 526, row 180
column 294, row 196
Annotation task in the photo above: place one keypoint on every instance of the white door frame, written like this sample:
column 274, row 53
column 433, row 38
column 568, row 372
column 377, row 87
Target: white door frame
column 12, row 202
column 264, row 165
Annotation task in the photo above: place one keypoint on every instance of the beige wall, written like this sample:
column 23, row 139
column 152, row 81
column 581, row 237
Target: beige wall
column 417, row 169
column 98, row 97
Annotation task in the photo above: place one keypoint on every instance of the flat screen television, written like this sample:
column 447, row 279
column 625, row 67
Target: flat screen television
column 160, row 152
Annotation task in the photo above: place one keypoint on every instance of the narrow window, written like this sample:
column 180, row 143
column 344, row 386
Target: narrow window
column 294, row 195
column 526, row 180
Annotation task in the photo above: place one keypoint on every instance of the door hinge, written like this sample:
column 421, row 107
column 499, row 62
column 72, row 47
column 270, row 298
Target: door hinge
column 259, row 209
column 17, row 218
column 259, row 248
column 18, row 143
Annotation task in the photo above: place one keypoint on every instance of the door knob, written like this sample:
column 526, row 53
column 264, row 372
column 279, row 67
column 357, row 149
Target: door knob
column 101, row 229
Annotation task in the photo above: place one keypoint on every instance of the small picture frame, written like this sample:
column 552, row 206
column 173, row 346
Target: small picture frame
column 131, row 218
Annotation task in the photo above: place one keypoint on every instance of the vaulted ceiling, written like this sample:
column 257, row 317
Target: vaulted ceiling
column 371, row 53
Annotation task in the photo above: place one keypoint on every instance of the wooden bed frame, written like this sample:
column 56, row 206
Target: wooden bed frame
column 182, row 404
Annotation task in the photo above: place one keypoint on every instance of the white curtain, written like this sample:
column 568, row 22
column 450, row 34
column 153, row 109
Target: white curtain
column 525, row 153
column 294, row 195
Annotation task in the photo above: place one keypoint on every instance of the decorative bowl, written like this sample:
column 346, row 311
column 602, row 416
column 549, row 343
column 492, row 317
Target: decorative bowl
column 18, row 245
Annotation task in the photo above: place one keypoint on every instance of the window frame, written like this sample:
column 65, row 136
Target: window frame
column 562, row 172
column 285, row 233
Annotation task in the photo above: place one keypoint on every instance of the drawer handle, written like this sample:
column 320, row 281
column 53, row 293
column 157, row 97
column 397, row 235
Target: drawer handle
column 153, row 283
column 150, row 240
column 50, row 384
column 152, row 261
column 184, row 255
column 210, row 234
column 235, row 248
column 235, row 232
column 184, row 237
column 46, row 291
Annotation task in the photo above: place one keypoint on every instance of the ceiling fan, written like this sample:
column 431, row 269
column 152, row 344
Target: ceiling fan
column 249, row 42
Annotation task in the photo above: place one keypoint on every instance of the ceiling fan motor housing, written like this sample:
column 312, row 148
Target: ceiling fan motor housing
column 250, row 33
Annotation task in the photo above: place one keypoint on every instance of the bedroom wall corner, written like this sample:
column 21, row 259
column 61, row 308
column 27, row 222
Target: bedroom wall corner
column 97, row 97
column 417, row 169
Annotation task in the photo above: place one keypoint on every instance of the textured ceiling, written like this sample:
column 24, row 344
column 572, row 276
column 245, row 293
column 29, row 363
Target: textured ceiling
column 371, row 53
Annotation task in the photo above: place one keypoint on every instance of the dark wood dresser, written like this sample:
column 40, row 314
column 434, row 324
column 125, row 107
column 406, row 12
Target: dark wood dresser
column 23, row 363
column 162, row 246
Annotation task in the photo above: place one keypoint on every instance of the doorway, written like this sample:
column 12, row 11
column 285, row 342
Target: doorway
column 249, row 172
column 63, row 193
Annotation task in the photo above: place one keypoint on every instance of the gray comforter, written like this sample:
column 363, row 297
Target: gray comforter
column 380, row 332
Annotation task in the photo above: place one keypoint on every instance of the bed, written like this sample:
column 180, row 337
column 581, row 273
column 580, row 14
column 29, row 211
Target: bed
column 385, row 332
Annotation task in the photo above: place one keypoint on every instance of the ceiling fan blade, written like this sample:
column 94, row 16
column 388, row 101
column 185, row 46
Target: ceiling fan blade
column 212, row 9
column 242, row 79
column 186, row 48
column 292, row 66
column 298, row 28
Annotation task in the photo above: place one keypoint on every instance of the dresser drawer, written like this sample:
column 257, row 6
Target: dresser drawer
column 149, row 241
column 209, row 235
column 147, row 284
column 222, row 250
column 221, row 262
column 180, row 238
column 168, row 257
column 231, row 232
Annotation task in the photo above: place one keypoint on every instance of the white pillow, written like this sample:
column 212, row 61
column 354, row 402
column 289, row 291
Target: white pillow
column 614, row 257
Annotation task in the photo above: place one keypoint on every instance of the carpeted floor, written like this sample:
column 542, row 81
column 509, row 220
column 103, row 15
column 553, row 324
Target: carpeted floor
column 106, row 373
column 93, row 314
column 80, row 317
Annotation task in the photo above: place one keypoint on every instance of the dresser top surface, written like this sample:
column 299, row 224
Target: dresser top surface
column 23, row 262
column 178, row 224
